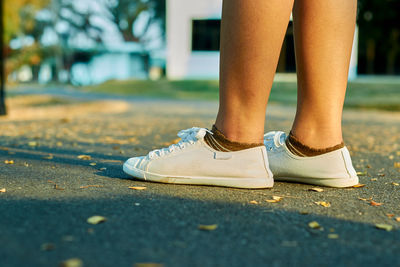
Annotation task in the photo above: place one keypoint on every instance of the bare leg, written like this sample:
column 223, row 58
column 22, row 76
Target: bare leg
column 323, row 39
column 252, row 33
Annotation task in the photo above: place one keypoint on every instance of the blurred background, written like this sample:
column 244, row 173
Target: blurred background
column 90, row 42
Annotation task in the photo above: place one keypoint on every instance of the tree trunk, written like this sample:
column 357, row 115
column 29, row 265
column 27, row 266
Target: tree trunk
column 2, row 63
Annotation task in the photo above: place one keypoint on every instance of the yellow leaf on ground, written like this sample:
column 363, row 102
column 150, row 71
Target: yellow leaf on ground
column 253, row 202
column 314, row 225
column 48, row 157
column 92, row 164
column 358, row 185
column 397, row 164
column 84, row 157
column 96, row 219
column 333, row 236
column 32, row 143
column 323, row 203
column 390, row 215
column 9, row 161
column 316, row 189
column 362, row 173
column 383, row 226
column 137, row 187
column 395, row 184
column 397, row 219
column 274, row 199
column 208, row 227
column 74, row 262
column 3, row 190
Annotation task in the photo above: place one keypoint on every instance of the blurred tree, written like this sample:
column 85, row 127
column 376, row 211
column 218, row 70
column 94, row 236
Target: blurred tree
column 125, row 13
column 2, row 58
column 20, row 20
column 19, row 16
column 379, row 36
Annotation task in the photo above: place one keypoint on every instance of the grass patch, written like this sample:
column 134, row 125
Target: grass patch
column 360, row 95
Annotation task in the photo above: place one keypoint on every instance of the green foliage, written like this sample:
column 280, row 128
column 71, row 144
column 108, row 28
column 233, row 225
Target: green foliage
column 19, row 16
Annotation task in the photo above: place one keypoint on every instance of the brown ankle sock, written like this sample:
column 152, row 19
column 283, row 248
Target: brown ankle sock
column 218, row 141
column 299, row 149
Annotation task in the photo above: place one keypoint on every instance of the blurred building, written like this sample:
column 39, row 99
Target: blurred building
column 193, row 41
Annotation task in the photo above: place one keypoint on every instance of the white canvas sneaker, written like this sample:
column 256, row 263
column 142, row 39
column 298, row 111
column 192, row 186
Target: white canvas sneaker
column 332, row 169
column 192, row 161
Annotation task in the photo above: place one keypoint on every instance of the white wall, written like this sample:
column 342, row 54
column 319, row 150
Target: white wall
column 181, row 62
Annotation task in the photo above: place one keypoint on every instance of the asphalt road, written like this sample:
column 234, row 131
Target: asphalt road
column 51, row 192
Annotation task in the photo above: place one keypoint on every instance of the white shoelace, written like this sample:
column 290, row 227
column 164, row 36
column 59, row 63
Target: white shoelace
column 188, row 136
column 273, row 140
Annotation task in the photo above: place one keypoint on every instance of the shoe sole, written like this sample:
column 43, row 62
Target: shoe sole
column 249, row 183
column 340, row 182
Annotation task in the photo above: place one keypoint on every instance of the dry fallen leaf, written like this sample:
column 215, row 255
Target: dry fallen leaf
column 137, row 187
column 333, row 236
column 358, row 185
column 209, row 227
column 2, row 190
column 397, row 219
column 92, row 164
column 50, row 156
column 274, row 199
column 47, row 247
column 103, row 169
column 395, row 184
column 374, row 179
column 74, row 262
column 316, row 189
column 87, row 186
column 9, row 161
column 314, row 225
column 383, row 226
column 253, row 202
column 55, row 185
column 362, row 173
column 84, row 157
column 96, row 219
column 323, row 203
column 390, row 215
column 397, row 164
column 373, row 203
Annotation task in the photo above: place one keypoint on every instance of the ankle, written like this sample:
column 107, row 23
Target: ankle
column 300, row 149
column 240, row 132
column 218, row 141
column 318, row 134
